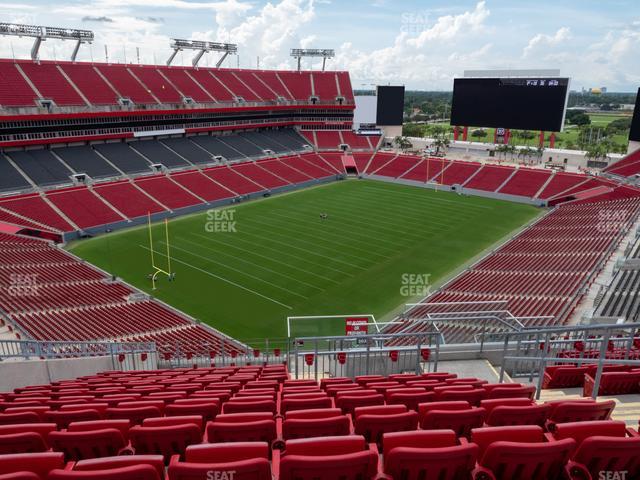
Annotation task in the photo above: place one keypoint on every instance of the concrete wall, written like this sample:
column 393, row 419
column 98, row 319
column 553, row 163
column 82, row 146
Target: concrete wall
column 198, row 208
column 15, row 374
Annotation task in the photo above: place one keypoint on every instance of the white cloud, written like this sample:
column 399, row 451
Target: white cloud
column 542, row 40
column 421, row 59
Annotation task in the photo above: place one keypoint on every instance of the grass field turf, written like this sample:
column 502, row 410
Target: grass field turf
column 283, row 260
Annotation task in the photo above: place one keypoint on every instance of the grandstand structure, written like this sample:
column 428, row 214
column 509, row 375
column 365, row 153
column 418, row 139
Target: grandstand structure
column 129, row 387
column 90, row 147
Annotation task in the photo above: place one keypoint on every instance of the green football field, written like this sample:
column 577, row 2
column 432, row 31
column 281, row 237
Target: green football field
column 245, row 269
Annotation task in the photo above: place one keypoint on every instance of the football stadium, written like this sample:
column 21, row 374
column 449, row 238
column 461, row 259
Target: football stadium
column 216, row 272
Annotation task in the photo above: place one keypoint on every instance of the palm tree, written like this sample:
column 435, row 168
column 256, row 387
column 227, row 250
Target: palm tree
column 440, row 138
column 402, row 143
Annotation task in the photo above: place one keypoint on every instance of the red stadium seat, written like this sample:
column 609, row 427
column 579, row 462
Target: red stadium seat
column 247, row 461
column 483, row 437
column 20, row 476
column 579, row 431
column 237, row 406
column 601, row 454
column 349, row 403
column 347, row 458
column 373, row 423
column 63, row 418
column 431, row 455
column 121, row 425
column 135, row 415
column 472, row 395
column 512, row 392
column 492, row 403
column 108, row 463
column 451, row 416
column 288, row 404
column 242, row 427
column 133, row 472
column 315, row 427
column 88, row 444
column 569, row 411
column 39, row 463
column 14, row 418
column 167, row 441
column 207, row 410
column 25, row 442
column 519, row 415
column 177, row 420
column 505, row 460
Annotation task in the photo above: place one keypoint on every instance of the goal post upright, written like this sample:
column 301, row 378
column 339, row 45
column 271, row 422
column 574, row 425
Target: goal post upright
column 156, row 269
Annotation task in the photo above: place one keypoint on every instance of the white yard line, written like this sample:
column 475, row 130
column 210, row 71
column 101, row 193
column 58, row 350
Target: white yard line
column 231, row 245
column 206, row 259
column 257, row 265
column 226, row 280
column 293, row 234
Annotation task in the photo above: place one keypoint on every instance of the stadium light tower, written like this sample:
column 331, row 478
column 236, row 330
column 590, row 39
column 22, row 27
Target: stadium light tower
column 324, row 53
column 42, row 33
column 202, row 48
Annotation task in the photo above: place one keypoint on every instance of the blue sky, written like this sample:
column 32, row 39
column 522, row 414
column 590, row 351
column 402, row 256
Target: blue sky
column 422, row 44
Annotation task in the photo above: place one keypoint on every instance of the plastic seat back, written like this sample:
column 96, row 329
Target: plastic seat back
column 250, row 427
column 580, row 431
column 581, row 411
column 23, row 417
column 610, row 454
column 492, row 403
column 443, row 463
column 63, row 418
column 315, row 427
column 485, row 436
column 372, row 427
column 25, row 442
column 39, row 463
column 235, row 406
column 207, row 410
column 512, row 392
column 88, row 444
column 289, row 404
column 132, row 472
column 166, row 441
column 135, row 415
column 328, row 458
column 515, row 415
column 122, row 425
column 473, row 396
column 410, row 400
column 527, row 461
column 107, row 463
column 348, row 404
column 460, row 421
column 248, row 461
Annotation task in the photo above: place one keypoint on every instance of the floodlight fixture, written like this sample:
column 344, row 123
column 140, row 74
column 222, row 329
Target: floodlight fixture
column 41, row 33
column 202, row 47
column 323, row 53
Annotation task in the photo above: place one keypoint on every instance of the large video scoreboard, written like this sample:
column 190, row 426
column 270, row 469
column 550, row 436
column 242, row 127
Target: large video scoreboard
column 517, row 103
column 634, row 133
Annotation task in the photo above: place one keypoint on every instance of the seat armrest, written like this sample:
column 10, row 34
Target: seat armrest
column 576, row 471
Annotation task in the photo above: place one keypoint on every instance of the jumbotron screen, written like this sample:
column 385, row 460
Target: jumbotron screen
column 634, row 133
column 518, row 103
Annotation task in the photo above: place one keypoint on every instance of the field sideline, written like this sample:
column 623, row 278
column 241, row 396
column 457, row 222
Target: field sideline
column 244, row 269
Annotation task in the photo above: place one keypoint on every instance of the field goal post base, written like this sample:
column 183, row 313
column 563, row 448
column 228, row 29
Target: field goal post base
column 156, row 269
